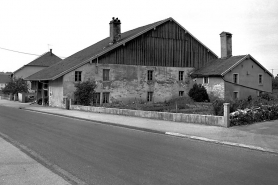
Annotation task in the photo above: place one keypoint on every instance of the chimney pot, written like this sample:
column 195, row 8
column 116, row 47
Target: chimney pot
column 50, row 51
column 226, row 44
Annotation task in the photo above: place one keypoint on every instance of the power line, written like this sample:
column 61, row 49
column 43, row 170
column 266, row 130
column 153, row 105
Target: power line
column 19, row 52
column 23, row 52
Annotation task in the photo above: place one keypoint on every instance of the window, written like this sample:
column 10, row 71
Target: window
column 181, row 93
column 96, row 98
column 235, row 78
column 206, row 80
column 260, row 79
column 150, row 97
column 235, row 95
column 181, row 75
column 77, row 76
column 106, row 74
column 150, row 75
column 105, row 97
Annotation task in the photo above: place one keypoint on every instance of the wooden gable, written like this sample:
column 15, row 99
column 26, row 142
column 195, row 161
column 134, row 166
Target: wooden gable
column 167, row 45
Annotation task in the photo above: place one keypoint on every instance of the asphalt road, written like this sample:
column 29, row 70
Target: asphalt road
column 104, row 154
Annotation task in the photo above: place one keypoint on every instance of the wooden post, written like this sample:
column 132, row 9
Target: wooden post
column 226, row 115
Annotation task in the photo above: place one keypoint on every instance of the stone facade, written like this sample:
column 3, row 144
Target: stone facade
column 215, row 86
column 127, row 83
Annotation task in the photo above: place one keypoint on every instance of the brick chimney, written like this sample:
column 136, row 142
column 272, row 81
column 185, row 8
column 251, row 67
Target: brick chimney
column 226, row 44
column 50, row 51
column 115, row 30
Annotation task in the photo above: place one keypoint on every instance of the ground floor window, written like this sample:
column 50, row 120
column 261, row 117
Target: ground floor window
column 150, row 97
column 206, row 80
column 235, row 94
column 105, row 97
column 96, row 99
column 181, row 93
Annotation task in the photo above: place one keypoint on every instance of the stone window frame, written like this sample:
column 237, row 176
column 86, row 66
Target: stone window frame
column 150, row 96
column 205, row 81
column 181, row 75
column 236, row 95
column 181, row 93
column 260, row 80
column 237, row 78
column 78, row 76
column 150, row 75
column 106, row 74
column 105, row 97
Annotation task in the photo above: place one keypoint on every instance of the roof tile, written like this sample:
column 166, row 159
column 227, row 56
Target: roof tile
column 217, row 67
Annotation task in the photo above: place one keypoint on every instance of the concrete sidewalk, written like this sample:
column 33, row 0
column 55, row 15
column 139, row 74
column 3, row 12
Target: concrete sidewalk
column 20, row 169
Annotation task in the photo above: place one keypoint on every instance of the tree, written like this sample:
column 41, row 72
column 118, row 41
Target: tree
column 84, row 92
column 275, row 82
column 17, row 85
column 198, row 93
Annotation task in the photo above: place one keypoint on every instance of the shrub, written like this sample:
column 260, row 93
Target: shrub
column 17, row 85
column 198, row 93
column 84, row 92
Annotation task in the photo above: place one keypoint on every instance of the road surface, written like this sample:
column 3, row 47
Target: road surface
column 104, row 154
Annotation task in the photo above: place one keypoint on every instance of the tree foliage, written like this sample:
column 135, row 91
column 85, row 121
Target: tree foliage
column 198, row 93
column 275, row 83
column 84, row 92
column 17, row 85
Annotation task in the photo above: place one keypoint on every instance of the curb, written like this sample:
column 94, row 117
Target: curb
column 251, row 147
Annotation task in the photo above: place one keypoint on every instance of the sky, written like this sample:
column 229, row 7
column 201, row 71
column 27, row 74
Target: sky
column 68, row 26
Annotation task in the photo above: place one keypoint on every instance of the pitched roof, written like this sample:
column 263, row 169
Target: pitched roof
column 88, row 54
column 5, row 78
column 47, row 59
column 219, row 67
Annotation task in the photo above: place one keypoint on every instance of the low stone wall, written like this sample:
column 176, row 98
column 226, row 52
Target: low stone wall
column 177, row 117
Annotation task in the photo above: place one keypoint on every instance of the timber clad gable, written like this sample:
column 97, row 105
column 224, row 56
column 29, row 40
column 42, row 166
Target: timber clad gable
column 167, row 45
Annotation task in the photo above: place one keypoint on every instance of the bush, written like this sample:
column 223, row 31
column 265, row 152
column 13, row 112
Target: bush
column 198, row 93
column 17, row 85
column 84, row 92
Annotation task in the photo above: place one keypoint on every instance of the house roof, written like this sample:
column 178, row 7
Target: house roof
column 220, row 67
column 94, row 51
column 5, row 78
column 45, row 60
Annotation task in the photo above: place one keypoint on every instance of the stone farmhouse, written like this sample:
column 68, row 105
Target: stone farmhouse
column 152, row 63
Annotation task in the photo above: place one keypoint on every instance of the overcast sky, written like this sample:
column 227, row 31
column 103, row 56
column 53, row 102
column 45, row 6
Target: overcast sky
column 69, row 26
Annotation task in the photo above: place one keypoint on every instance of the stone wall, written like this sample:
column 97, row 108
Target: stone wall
column 55, row 93
column 215, row 86
column 177, row 117
column 129, row 82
